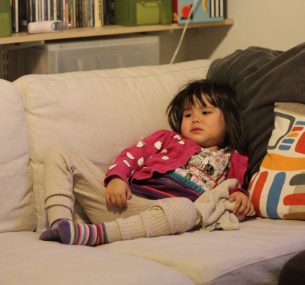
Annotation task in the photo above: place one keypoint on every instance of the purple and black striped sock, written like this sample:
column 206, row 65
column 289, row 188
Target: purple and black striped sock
column 69, row 232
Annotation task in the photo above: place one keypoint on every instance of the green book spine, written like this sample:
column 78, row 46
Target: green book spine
column 5, row 18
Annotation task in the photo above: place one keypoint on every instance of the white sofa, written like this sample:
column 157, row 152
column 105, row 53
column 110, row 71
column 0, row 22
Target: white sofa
column 97, row 113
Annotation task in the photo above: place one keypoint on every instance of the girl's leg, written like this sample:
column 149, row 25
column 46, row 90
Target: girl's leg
column 165, row 217
column 70, row 177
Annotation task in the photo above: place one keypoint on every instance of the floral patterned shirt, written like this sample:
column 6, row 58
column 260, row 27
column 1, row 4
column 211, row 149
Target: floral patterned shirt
column 160, row 153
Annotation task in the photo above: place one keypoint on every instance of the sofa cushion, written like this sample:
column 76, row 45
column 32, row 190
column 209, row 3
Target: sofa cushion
column 27, row 260
column 261, row 77
column 98, row 113
column 16, row 211
column 277, row 190
column 252, row 255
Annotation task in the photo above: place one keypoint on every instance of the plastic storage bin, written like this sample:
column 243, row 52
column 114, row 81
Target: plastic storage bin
column 94, row 54
column 143, row 12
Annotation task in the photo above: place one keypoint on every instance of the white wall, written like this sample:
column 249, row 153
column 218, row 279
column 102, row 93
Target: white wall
column 276, row 24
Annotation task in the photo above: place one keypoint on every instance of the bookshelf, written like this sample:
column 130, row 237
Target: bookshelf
column 23, row 39
column 109, row 30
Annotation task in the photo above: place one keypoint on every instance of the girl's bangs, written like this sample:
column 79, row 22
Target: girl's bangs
column 190, row 101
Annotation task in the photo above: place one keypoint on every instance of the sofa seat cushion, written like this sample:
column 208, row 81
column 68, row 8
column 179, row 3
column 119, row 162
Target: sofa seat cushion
column 26, row 259
column 16, row 211
column 253, row 254
column 98, row 113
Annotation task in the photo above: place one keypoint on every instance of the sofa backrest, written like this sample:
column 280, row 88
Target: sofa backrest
column 16, row 211
column 97, row 113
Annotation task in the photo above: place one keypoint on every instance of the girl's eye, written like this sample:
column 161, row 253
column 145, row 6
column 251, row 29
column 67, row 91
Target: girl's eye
column 206, row 112
column 187, row 115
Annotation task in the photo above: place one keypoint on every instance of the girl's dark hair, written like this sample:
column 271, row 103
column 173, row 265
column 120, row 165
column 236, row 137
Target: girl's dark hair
column 220, row 96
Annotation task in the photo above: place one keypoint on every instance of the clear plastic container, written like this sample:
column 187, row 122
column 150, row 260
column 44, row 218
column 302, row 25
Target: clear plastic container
column 89, row 55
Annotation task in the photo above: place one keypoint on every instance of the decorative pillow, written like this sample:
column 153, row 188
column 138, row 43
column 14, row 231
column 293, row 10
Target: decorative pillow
column 277, row 190
column 261, row 77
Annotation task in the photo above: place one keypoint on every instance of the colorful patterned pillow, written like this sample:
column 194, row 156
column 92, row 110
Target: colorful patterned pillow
column 277, row 190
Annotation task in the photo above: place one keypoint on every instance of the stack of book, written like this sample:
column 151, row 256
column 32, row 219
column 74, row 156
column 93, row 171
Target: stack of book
column 74, row 13
column 96, row 13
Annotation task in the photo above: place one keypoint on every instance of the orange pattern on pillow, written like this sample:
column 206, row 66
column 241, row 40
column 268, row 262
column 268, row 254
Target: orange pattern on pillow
column 277, row 190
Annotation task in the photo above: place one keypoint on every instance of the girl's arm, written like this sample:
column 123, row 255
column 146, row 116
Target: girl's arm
column 117, row 193
column 129, row 160
column 238, row 168
column 243, row 205
column 135, row 156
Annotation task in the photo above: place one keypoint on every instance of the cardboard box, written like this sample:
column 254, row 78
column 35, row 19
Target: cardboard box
column 143, row 12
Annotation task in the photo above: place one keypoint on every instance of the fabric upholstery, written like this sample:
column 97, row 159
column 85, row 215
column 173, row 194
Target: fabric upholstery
column 252, row 255
column 27, row 260
column 98, row 113
column 60, row 109
column 261, row 77
column 277, row 190
column 16, row 211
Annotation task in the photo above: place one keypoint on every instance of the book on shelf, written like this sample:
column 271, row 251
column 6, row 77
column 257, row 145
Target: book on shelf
column 109, row 12
column 98, row 13
column 5, row 18
column 218, row 9
column 74, row 13
column 15, row 15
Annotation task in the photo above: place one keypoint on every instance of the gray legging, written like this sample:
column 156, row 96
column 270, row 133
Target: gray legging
column 72, row 180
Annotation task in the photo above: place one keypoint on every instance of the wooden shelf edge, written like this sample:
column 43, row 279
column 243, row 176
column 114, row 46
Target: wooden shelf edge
column 103, row 31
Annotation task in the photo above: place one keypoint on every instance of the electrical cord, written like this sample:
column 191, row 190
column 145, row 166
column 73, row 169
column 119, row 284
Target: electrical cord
column 194, row 5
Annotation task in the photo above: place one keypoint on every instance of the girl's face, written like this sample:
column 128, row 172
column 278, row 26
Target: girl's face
column 204, row 125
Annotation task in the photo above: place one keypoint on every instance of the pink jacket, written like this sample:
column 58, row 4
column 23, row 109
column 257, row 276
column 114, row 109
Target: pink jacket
column 161, row 152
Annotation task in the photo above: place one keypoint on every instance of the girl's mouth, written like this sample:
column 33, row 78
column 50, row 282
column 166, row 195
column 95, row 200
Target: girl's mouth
column 196, row 130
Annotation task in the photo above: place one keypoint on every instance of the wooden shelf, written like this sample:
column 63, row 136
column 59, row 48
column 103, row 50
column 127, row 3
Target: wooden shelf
column 102, row 31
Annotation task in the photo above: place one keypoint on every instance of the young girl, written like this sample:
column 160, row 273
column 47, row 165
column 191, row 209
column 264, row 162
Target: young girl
column 150, row 187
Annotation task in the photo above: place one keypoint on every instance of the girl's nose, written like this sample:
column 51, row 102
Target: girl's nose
column 195, row 119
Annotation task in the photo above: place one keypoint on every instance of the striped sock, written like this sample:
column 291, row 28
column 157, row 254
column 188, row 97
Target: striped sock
column 81, row 234
column 170, row 216
column 69, row 232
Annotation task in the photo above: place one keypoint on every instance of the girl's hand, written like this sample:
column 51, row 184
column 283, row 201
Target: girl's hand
column 117, row 193
column 243, row 205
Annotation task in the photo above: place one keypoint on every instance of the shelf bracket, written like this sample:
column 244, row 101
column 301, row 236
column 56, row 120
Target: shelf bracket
column 4, row 64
